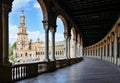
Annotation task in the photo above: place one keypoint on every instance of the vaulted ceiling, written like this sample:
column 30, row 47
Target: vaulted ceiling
column 94, row 18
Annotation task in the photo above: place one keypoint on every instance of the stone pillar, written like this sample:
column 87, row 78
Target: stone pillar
column 96, row 52
column 103, row 50
column 110, row 51
column 106, row 51
column 66, row 45
column 118, row 51
column 115, row 49
column 46, row 28
column 1, row 36
column 4, row 41
column 100, row 53
column 77, row 53
column 80, row 48
column 53, row 44
column 69, row 47
column 75, row 48
column 5, row 66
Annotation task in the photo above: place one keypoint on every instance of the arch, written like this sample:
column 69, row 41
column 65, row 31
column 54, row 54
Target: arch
column 64, row 23
column 44, row 9
column 73, row 33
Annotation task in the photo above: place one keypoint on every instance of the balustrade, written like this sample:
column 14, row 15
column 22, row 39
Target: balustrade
column 22, row 71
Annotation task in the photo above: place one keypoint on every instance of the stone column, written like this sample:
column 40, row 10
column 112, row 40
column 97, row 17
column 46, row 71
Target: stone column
column 106, row 51
column 100, row 53
column 1, row 36
column 79, row 49
column 103, row 52
column 110, row 51
column 118, row 50
column 53, row 44
column 46, row 28
column 5, row 66
column 75, row 48
column 69, row 47
column 4, row 41
column 115, row 49
column 66, row 45
column 93, row 52
column 97, row 52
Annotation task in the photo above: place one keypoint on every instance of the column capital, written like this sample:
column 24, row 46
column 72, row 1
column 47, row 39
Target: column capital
column 46, row 26
column 53, row 30
column 65, row 35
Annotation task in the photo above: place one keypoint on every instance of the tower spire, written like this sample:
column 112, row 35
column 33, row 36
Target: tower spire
column 22, row 18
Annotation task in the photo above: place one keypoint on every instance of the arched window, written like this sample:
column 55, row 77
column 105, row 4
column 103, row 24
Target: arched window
column 25, row 54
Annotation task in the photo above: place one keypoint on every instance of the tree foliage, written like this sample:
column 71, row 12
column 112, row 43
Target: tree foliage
column 11, row 48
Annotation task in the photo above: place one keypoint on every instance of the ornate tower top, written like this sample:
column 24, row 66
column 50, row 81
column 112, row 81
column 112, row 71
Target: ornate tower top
column 22, row 27
column 22, row 18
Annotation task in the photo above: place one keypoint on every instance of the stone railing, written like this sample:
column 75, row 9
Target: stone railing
column 23, row 71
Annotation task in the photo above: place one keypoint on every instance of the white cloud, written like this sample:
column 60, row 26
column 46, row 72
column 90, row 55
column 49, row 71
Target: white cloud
column 20, row 3
column 36, row 5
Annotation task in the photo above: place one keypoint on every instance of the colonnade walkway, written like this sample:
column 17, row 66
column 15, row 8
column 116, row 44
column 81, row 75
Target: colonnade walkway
column 90, row 70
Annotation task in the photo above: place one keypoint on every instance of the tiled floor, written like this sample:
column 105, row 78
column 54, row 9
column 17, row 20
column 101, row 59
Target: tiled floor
column 90, row 70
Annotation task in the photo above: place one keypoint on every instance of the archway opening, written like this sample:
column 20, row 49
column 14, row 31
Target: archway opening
column 59, row 38
column 26, row 32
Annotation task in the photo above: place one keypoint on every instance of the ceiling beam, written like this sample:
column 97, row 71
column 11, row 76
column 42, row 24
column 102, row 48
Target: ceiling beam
column 96, row 9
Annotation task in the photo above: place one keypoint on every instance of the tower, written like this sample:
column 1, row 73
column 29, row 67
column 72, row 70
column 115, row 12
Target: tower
column 22, row 40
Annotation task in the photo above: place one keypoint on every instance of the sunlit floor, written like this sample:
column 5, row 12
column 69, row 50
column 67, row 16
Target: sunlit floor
column 90, row 70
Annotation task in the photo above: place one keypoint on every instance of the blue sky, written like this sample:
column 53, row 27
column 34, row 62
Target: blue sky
column 33, row 20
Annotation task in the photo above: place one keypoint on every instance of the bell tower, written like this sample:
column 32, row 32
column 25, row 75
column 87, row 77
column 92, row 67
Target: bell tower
column 22, row 40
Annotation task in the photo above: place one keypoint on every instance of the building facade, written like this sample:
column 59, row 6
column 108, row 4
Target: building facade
column 29, row 51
